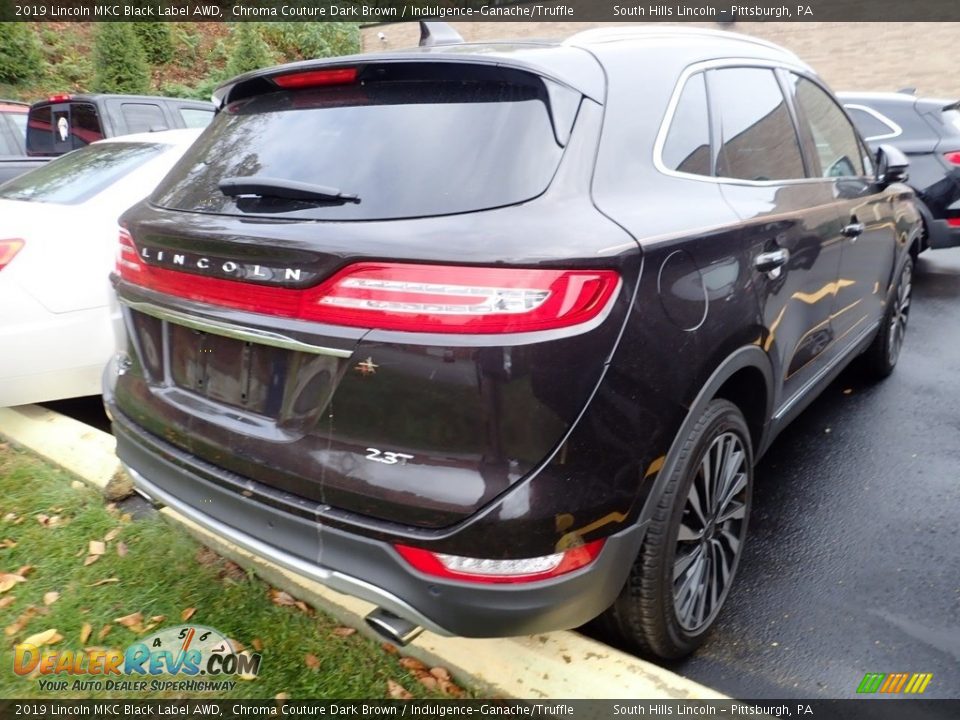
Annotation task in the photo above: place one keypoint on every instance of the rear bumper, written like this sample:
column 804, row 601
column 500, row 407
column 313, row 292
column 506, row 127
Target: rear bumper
column 366, row 567
column 941, row 235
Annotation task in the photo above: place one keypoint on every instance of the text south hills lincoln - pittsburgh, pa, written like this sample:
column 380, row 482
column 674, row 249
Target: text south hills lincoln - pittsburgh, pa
column 734, row 12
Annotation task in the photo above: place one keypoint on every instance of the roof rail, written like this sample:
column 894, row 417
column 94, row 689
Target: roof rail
column 643, row 33
column 438, row 33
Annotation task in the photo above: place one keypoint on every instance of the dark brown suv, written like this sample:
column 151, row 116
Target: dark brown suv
column 493, row 335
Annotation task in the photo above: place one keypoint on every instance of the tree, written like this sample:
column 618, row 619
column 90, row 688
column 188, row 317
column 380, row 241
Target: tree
column 121, row 64
column 157, row 41
column 250, row 51
column 20, row 57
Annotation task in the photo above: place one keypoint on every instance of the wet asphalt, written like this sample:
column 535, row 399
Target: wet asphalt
column 852, row 563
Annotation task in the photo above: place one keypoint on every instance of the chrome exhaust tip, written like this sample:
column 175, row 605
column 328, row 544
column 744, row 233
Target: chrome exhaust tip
column 393, row 628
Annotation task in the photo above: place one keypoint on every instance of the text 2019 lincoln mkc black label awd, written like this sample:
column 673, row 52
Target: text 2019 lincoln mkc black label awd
column 493, row 335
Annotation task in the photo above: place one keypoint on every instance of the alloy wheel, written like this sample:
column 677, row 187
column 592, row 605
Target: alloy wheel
column 711, row 532
column 900, row 315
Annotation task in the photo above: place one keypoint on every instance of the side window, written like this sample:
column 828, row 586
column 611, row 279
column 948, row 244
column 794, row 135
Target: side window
column 687, row 146
column 869, row 125
column 194, row 118
column 758, row 140
column 84, row 124
column 40, row 130
column 143, row 117
column 837, row 150
column 7, row 146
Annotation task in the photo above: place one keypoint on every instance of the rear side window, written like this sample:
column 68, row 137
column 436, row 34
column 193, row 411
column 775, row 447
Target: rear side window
column 687, row 146
column 408, row 147
column 194, row 118
column 869, row 125
column 143, row 117
column 837, row 149
column 758, row 140
column 78, row 176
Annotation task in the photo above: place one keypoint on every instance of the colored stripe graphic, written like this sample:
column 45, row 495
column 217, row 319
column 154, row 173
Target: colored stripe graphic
column 893, row 683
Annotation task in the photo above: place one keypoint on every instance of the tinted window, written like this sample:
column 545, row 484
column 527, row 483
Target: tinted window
column 84, row 124
column 836, row 149
column 40, row 130
column 869, row 125
column 81, row 174
column 193, row 118
column 406, row 148
column 758, row 139
column 687, row 147
column 143, row 117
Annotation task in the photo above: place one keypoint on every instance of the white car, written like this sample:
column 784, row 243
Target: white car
column 58, row 240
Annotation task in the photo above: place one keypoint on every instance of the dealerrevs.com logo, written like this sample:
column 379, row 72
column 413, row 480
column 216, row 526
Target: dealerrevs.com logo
column 186, row 658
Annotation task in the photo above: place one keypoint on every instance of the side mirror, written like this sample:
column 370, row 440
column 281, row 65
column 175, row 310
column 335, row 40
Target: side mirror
column 891, row 165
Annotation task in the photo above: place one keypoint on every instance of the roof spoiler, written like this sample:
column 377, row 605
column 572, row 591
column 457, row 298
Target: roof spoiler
column 438, row 33
column 951, row 106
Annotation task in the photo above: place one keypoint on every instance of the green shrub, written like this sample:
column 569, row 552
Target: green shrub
column 121, row 64
column 20, row 57
column 249, row 50
column 304, row 41
column 157, row 41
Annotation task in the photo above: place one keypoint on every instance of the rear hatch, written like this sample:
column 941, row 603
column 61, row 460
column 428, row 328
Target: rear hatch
column 377, row 289
column 62, row 124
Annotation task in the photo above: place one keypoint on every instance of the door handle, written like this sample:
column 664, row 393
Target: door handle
column 853, row 230
column 771, row 262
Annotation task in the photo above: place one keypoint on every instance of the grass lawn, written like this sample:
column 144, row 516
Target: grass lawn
column 47, row 522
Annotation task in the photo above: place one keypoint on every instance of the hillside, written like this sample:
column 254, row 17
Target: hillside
column 193, row 59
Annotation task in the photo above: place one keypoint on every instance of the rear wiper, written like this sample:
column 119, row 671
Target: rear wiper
column 266, row 187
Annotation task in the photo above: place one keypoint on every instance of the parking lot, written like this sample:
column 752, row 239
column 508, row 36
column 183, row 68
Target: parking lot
column 851, row 564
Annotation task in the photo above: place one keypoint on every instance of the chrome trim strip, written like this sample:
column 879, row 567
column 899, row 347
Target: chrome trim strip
column 334, row 579
column 219, row 327
column 895, row 130
column 785, row 408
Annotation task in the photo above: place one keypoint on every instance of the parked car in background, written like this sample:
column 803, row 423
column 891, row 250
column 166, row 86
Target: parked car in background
column 502, row 382
column 57, row 246
column 928, row 131
column 63, row 123
column 13, row 132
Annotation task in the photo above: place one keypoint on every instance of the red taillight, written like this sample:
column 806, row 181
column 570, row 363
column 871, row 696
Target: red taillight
column 404, row 297
column 482, row 570
column 316, row 78
column 60, row 97
column 953, row 222
column 129, row 266
column 8, row 249
column 953, row 157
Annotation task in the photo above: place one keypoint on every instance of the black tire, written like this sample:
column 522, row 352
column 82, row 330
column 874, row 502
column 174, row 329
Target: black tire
column 651, row 614
column 879, row 360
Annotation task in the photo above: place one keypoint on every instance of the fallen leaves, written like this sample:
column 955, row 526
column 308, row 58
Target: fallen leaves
column 311, row 661
column 122, row 549
column 51, row 597
column 132, row 621
column 187, row 614
column 437, row 678
column 281, row 598
column 77, row 485
column 21, row 622
column 343, row 631
column 104, row 631
column 48, row 520
column 85, row 632
column 8, row 600
column 7, row 543
column 47, row 637
column 397, row 691
column 105, row 581
column 389, row 648
column 9, row 580
column 257, row 644
column 95, row 550
column 112, row 535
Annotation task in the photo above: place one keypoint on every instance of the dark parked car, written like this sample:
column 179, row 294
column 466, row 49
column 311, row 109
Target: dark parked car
column 13, row 130
column 493, row 335
column 62, row 123
column 928, row 131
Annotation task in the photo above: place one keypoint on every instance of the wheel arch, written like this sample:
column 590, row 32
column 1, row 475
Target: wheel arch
column 731, row 380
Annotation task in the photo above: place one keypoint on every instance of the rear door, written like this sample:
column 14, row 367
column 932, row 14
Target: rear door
column 791, row 223
column 869, row 241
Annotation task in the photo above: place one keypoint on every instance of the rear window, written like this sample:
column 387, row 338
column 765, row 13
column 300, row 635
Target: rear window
column 60, row 128
column 143, row 117
column 80, row 175
column 405, row 148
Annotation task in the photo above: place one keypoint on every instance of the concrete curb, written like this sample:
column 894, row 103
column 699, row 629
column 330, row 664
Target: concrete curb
column 554, row 666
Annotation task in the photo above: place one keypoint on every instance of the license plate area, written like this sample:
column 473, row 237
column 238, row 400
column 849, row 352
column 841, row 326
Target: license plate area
column 234, row 372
